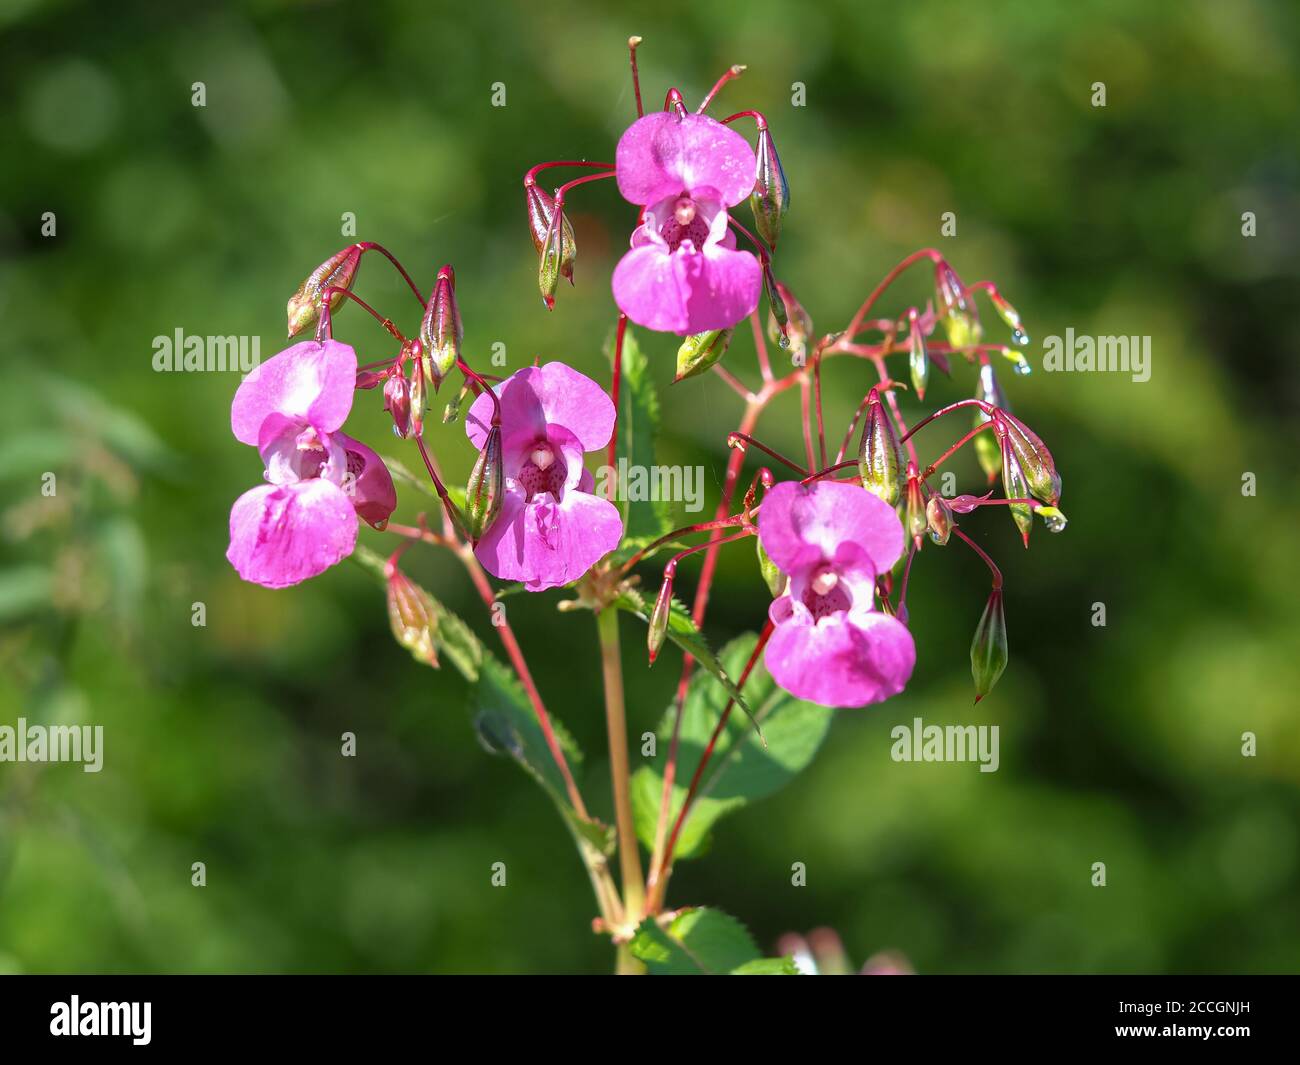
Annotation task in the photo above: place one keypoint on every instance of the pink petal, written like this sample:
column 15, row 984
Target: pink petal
column 371, row 485
column 664, row 155
column 803, row 525
column 283, row 534
column 546, row 545
column 841, row 663
column 687, row 292
column 309, row 382
column 538, row 396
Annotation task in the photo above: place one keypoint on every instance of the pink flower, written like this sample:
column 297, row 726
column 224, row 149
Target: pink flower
column 551, row 528
column 831, row 646
column 683, row 274
column 305, row 520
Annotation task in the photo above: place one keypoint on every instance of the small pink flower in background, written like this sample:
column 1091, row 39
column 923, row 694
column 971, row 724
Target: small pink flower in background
column 831, row 646
column 305, row 520
column 684, row 274
column 551, row 528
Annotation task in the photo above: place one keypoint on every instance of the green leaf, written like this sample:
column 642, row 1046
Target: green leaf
column 506, row 723
column 638, row 427
column 702, row 942
column 683, row 632
column 741, row 769
column 768, row 967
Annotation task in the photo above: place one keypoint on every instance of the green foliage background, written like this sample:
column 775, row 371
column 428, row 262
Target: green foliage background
column 1119, row 744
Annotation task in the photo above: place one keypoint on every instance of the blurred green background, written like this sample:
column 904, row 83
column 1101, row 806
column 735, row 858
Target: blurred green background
column 1120, row 744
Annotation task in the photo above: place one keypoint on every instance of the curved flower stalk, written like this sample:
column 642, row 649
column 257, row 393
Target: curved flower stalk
column 835, row 534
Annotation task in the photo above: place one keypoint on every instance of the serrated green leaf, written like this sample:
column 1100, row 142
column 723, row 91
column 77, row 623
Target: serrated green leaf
column 741, row 769
column 683, row 632
column 699, row 942
column 638, row 428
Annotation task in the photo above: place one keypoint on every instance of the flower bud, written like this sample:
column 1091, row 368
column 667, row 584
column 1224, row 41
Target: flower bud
column 798, row 328
column 441, row 331
column 541, row 209
column 1019, row 364
column 338, row 271
column 966, row 504
column 988, row 650
column 368, row 379
column 1012, row 317
column 956, row 312
column 1035, row 460
column 452, row 410
column 1053, row 519
column 555, row 258
column 776, row 304
column 771, row 196
column 700, row 351
column 397, row 401
column 772, row 577
column 914, row 516
column 419, row 396
column 918, row 359
column 659, row 618
column 987, row 447
column 938, row 518
column 1016, row 487
column 412, row 615
column 879, row 459
column 486, row 488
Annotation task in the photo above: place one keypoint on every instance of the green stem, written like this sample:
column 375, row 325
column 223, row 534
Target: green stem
column 629, row 856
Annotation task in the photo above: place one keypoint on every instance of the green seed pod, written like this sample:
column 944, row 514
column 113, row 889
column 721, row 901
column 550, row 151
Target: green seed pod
column 338, row 271
column 771, row 196
column 486, row 487
column 879, row 459
column 988, row 650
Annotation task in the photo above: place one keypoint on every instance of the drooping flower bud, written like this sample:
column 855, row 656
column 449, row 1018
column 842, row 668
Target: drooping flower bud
column 914, row 516
column 772, row 577
column 987, row 447
column 1035, row 460
column 1053, row 519
column 397, row 401
column 938, row 517
column 541, row 209
column 452, row 411
column 338, row 271
column 988, row 650
column 368, row 379
column 917, row 358
column 1019, row 364
column 412, row 615
column 1012, row 317
column 798, row 326
column 879, row 459
column 771, row 196
column 700, row 351
column 441, row 331
column 659, row 618
column 419, row 394
column 486, row 488
column 966, row 504
column 956, row 312
column 555, row 257
column 1016, row 487
column 776, row 304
